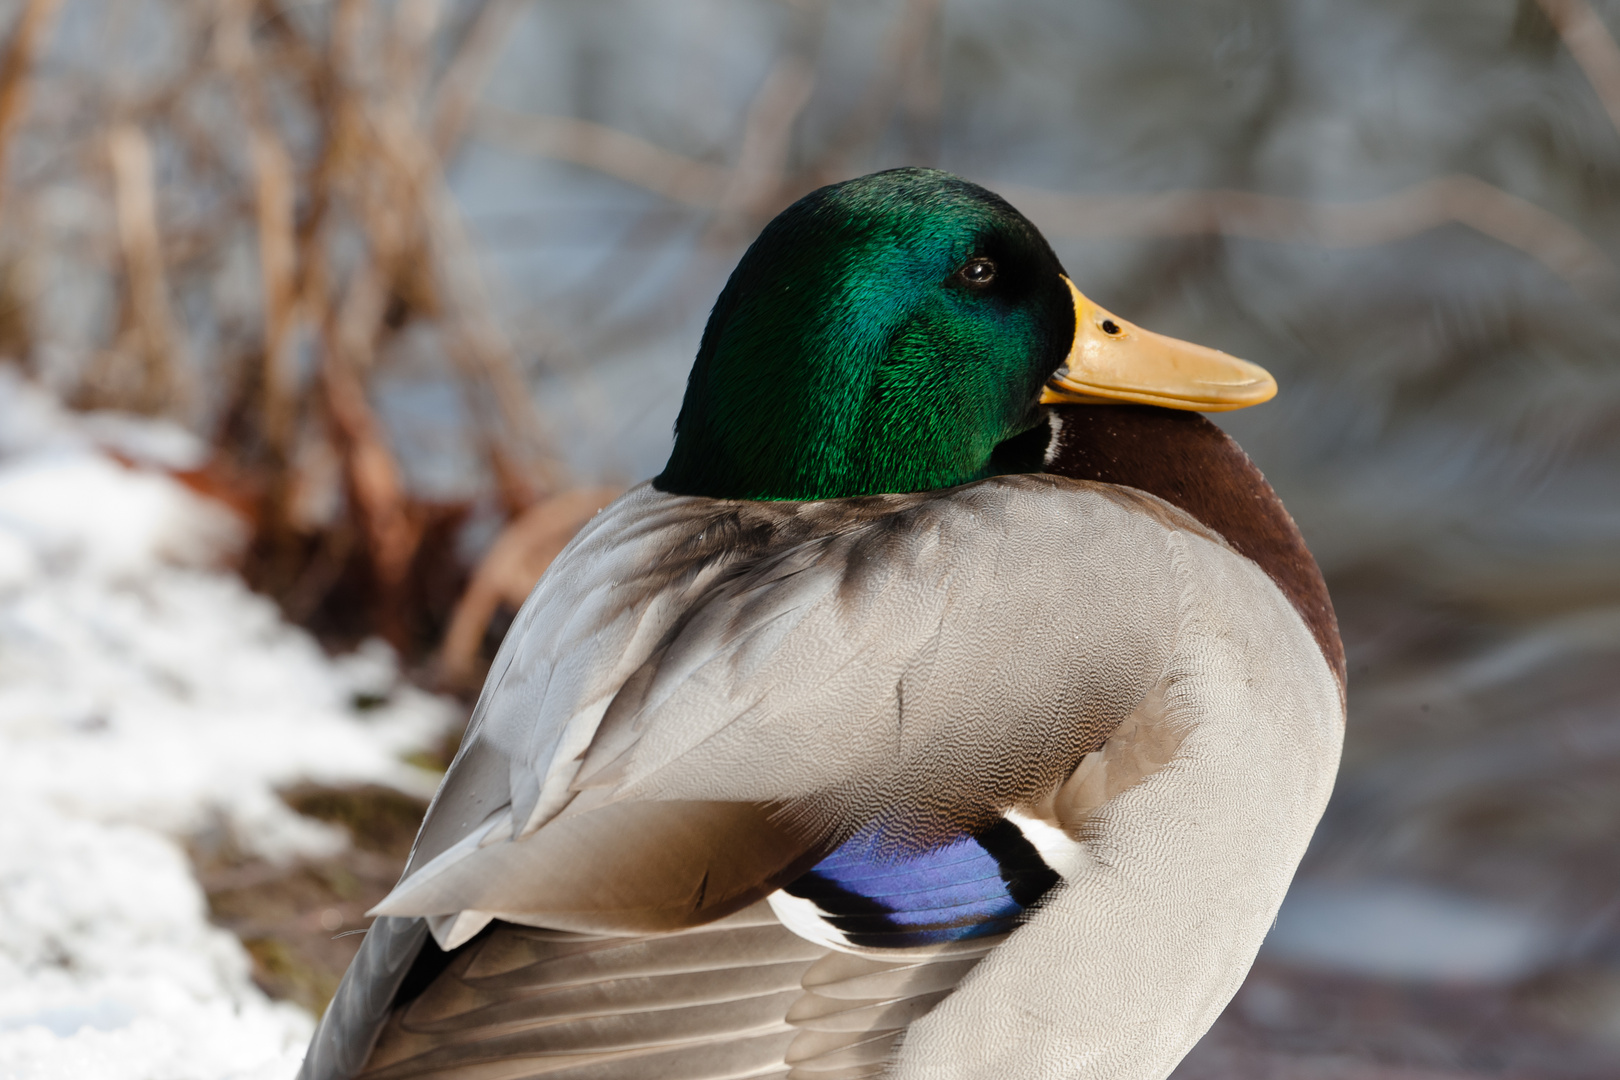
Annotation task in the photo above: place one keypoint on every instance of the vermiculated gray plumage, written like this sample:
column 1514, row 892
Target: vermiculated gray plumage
column 703, row 697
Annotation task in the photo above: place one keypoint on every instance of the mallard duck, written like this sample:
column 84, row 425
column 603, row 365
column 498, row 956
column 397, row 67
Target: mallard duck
column 957, row 702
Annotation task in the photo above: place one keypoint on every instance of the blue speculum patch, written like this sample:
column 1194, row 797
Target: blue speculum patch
column 974, row 886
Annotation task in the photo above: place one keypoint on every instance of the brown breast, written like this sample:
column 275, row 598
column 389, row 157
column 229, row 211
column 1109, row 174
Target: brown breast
column 1185, row 460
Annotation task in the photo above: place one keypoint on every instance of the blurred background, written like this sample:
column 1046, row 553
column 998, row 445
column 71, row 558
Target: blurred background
column 415, row 286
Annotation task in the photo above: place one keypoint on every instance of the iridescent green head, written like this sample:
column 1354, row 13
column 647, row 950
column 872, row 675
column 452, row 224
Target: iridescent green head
column 885, row 334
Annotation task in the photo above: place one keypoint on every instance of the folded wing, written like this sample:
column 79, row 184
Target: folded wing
column 705, row 702
column 704, row 699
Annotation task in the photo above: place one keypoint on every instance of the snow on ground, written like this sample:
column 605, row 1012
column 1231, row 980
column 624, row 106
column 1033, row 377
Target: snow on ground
column 146, row 693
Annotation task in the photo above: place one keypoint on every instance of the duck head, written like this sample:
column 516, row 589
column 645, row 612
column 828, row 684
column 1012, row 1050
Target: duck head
column 888, row 333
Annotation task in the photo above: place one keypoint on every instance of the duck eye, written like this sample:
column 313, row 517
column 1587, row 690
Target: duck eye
column 1109, row 326
column 979, row 272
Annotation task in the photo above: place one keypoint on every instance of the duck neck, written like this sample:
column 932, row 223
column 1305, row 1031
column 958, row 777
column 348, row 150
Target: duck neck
column 1189, row 462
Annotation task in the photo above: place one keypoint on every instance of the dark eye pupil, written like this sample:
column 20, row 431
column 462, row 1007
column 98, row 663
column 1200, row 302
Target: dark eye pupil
column 1110, row 326
column 979, row 271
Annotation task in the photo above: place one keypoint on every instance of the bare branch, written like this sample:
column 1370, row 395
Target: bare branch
column 485, row 357
column 606, row 150
column 1593, row 48
column 755, row 181
column 373, row 474
column 1463, row 200
column 468, row 71
column 356, row 234
column 508, row 572
column 150, row 334
column 510, row 430
column 15, row 66
column 410, row 32
column 900, row 55
column 273, row 203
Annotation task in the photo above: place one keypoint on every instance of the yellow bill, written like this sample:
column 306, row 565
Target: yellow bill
column 1115, row 360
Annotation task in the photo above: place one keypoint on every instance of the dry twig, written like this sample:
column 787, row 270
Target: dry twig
column 15, row 67
column 326, row 160
column 373, row 473
column 1462, row 200
column 753, row 186
column 468, row 70
column 428, row 257
column 608, row 151
column 277, row 241
column 148, row 333
column 901, row 55
column 1593, row 48
column 508, row 572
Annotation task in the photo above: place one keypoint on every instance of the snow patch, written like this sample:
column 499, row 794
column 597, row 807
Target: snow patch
column 146, row 693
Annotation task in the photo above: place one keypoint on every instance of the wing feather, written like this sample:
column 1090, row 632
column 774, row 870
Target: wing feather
column 814, row 667
column 740, row 997
column 703, row 700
